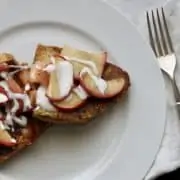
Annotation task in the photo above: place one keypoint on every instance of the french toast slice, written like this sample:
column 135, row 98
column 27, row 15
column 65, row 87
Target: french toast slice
column 92, row 107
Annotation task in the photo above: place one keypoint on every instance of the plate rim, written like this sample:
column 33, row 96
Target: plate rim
column 109, row 9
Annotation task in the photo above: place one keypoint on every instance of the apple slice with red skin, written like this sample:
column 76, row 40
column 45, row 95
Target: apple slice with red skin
column 3, row 96
column 6, row 139
column 61, row 81
column 15, row 88
column 113, row 87
column 99, row 60
column 73, row 101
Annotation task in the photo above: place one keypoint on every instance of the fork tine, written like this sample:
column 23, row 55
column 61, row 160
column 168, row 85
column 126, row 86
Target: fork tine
column 163, row 40
column 150, row 34
column 167, row 32
column 157, row 36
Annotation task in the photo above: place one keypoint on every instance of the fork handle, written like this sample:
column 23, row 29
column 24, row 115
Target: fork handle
column 176, row 90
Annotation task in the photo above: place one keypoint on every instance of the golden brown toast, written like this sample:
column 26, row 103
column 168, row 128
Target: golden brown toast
column 92, row 106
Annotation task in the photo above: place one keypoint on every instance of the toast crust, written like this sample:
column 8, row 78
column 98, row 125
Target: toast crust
column 92, row 107
column 27, row 137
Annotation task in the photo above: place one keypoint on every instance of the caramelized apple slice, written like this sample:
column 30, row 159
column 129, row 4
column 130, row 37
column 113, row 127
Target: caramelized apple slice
column 61, row 81
column 100, row 88
column 5, row 138
column 76, row 98
column 24, row 76
column 81, row 59
column 14, row 86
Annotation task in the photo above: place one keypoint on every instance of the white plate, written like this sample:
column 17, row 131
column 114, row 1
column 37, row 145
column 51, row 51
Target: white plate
column 120, row 144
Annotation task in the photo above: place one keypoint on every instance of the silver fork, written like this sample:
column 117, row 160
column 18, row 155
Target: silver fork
column 161, row 44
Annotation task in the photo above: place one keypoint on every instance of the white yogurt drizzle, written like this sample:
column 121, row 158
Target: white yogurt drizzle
column 49, row 68
column 13, row 140
column 80, row 92
column 19, row 66
column 89, row 63
column 27, row 87
column 9, row 119
column 64, row 73
column 42, row 100
column 14, row 72
column 3, row 98
column 11, row 113
column 21, row 120
column 4, row 75
column 100, row 83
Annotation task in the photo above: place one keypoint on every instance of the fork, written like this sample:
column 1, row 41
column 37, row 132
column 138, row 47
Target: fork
column 161, row 44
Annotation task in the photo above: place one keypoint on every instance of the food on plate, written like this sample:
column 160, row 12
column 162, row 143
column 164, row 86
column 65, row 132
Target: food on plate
column 76, row 98
column 81, row 85
column 60, row 81
column 63, row 85
column 80, row 59
column 38, row 76
column 18, row 129
column 100, row 88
